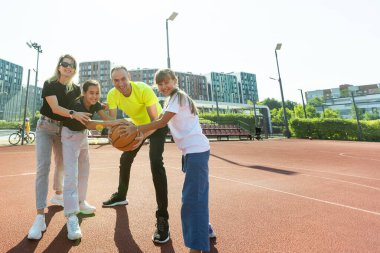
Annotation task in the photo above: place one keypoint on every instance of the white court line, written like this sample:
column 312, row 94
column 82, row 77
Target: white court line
column 33, row 173
column 299, row 196
column 358, row 157
column 21, row 174
column 342, row 181
column 335, row 173
column 327, row 178
column 244, row 164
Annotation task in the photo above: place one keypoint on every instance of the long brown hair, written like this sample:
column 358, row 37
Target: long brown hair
column 163, row 74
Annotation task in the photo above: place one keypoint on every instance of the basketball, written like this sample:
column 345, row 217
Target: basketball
column 122, row 142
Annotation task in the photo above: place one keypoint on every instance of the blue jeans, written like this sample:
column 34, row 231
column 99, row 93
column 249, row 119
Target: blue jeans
column 76, row 165
column 194, row 210
column 47, row 139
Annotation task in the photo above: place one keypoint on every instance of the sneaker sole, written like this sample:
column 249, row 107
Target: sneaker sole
column 37, row 238
column 87, row 212
column 125, row 202
column 55, row 203
column 161, row 242
column 74, row 238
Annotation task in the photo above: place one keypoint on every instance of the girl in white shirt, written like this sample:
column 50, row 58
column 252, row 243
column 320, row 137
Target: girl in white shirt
column 181, row 115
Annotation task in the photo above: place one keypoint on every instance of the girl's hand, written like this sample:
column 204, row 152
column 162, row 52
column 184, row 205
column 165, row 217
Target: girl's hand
column 140, row 138
column 127, row 129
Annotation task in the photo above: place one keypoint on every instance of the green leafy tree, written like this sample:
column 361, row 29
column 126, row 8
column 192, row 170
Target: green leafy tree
column 360, row 112
column 344, row 93
column 371, row 115
column 290, row 104
column 331, row 114
column 278, row 116
column 316, row 101
column 298, row 111
column 311, row 112
column 271, row 103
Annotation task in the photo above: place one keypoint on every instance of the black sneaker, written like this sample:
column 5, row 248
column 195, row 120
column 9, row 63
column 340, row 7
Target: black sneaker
column 115, row 200
column 162, row 234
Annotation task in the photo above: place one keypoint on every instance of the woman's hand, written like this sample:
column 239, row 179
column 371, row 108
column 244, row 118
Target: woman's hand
column 82, row 117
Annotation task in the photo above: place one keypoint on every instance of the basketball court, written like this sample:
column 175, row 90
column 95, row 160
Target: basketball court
column 265, row 196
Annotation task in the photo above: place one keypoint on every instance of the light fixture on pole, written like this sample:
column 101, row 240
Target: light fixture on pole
column 39, row 50
column 287, row 132
column 303, row 103
column 172, row 17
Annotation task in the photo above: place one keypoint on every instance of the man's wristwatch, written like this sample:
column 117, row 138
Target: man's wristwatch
column 71, row 112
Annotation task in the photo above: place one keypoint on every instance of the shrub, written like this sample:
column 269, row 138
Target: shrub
column 335, row 129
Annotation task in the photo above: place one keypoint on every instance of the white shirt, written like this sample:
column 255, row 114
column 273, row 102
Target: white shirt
column 185, row 128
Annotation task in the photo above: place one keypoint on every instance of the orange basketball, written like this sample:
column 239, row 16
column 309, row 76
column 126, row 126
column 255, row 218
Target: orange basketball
column 122, row 142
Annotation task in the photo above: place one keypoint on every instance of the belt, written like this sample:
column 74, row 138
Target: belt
column 43, row 117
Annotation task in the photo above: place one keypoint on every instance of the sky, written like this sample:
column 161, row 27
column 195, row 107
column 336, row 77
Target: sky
column 325, row 43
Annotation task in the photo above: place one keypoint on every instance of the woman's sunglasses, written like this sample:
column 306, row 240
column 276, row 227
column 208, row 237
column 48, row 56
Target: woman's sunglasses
column 65, row 65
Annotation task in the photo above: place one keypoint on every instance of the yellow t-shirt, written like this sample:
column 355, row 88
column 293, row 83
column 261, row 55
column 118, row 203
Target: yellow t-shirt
column 27, row 127
column 135, row 105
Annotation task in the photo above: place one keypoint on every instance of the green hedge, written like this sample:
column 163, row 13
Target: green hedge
column 9, row 125
column 335, row 129
column 243, row 120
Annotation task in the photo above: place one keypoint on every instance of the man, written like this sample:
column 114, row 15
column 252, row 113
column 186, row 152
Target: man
column 138, row 101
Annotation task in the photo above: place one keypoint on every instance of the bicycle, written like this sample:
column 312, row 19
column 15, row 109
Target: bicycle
column 15, row 138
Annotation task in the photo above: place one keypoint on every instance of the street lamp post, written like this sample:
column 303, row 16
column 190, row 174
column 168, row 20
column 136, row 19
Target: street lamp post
column 287, row 132
column 172, row 17
column 303, row 103
column 39, row 50
column 26, row 105
column 360, row 136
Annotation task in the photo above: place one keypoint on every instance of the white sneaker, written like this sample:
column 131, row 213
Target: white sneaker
column 57, row 199
column 211, row 232
column 73, row 229
column 86, row 208
column 39, row 225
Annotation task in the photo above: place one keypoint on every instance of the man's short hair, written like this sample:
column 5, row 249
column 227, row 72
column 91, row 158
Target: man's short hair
column 118, row 68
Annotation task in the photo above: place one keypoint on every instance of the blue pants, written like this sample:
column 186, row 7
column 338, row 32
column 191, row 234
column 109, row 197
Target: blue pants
column 194, row 210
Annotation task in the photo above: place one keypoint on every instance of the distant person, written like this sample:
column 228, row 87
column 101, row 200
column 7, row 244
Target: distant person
column 57, row 93
column 181, row 115
column 76, row 161
column 138, row 101
column 27, row 128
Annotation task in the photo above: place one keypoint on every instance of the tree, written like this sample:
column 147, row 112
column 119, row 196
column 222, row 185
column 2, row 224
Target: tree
column 278, row 116
column 360, row 112
column 290, row 104
column 271, row 103
column 311, row 112
column 316, row 101
column 371, row 115
column 331, row 114
column 298, row 111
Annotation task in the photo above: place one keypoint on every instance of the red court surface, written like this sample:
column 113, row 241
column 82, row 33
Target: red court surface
column 265, row 196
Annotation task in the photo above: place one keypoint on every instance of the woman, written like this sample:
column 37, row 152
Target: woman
column 58, row 92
